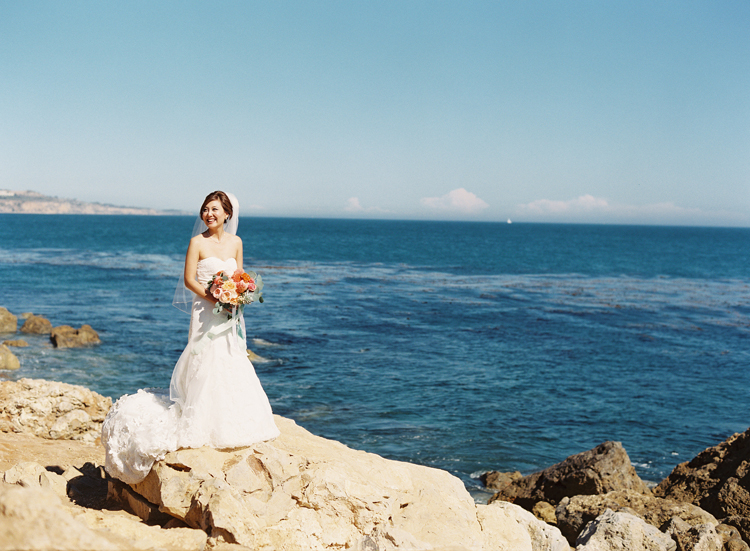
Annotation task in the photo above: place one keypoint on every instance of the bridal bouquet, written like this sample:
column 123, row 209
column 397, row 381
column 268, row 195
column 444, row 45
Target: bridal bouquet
column 235, row 290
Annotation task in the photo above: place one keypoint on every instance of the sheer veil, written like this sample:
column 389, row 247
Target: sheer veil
column 183, row 297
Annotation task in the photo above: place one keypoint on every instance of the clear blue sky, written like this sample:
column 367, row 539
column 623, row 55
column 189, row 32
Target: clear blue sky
column 635, row 112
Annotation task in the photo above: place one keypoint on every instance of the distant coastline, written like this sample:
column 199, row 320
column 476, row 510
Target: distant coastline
column 32, row 202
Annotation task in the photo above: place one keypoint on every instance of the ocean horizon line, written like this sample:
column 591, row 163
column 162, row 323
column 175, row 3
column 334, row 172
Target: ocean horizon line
column 176, row 213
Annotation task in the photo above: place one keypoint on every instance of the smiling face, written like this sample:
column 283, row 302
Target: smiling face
column 209, row 207
column 213, row 214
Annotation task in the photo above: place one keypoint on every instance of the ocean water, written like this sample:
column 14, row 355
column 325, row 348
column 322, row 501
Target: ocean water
column 463, row 346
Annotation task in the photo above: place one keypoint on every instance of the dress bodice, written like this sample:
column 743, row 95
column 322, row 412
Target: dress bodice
column 208, row 267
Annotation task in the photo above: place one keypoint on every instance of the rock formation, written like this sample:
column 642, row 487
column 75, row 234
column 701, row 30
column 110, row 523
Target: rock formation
column 19, row 343
column 573, row 514
column 8, row 322
column 305, row 492
column 299, row 492
column 604, row 469
column 36, row 325
column 623, row 532
column 47, row 409
column 66, row 336
column 8, row 360
column 717, row 480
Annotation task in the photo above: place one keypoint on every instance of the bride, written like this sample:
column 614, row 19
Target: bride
column 215, row 399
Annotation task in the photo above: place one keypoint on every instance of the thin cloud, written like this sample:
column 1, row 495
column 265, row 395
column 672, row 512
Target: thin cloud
column 584, row 203
column 353, row 205
column 458, row 200
column 590, row 207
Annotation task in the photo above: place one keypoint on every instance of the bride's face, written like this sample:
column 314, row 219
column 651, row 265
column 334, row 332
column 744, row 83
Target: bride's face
column 213, row 214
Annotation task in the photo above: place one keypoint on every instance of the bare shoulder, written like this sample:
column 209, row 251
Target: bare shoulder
column 197, row 241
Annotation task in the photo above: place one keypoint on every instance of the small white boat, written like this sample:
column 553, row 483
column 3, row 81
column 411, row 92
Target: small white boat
column 509, row 222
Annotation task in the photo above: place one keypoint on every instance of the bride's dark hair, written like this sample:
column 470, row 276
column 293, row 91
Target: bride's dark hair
column 222, row 198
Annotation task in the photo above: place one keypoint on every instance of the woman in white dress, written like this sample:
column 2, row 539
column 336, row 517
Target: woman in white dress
column 215, row 398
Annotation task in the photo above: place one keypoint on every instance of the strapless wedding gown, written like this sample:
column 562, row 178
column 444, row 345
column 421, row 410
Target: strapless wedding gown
column 215, row 399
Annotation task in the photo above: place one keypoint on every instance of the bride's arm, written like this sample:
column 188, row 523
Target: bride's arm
column 238, row 254
column 191, row 268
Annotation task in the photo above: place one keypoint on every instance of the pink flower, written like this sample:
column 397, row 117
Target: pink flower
column 251, row 286
column 225, row 297
column 216, row 292
column 241, row 287
column 237, row 275
column 218, row 281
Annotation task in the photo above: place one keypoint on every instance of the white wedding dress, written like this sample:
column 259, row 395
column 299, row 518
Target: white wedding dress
column 215, row 399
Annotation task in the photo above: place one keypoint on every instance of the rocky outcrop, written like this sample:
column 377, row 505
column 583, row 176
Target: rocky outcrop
column 38, row 518
column 299, row 492
column 8, row 322
column 19, row 343
column 66, row 336
column 623, row 532
column 573, row 514
column 52, row 410
column 604, row 469
column 8, row 360
column 36, row 325
column 496, row 480
column 305, row 492
column 718, row 480
column 541, row 535
column 699, row 537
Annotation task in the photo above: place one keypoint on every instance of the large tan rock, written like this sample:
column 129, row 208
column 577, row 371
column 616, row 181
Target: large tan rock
column 52, row 410
column 623, row 532
column 543, row 536
column 8, row 360
column 65, row 336
column 700, row 537
column 501, row 530
column 35, row 519
column 8, row 322
column 303, row 492
column 603, row 469
column 61, row 454
column 133, row 534
column 573, row 514
column 36, row 325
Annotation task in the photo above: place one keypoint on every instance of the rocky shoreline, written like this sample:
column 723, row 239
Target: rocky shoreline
column 303, row 492
column 62, row 336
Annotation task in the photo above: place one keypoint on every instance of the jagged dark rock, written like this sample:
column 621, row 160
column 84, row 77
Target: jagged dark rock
column 603, row 469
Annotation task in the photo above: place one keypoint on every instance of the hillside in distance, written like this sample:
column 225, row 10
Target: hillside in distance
column 32, row 202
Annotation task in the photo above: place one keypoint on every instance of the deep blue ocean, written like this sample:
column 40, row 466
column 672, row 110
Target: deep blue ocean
column 463, row 346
